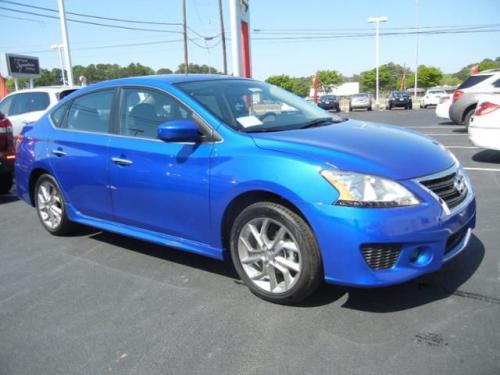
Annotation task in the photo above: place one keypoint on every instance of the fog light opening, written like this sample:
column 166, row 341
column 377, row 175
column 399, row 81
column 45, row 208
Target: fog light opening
column 421, row 256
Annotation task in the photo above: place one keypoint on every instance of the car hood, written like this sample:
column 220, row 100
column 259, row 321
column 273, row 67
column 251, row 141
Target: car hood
column 363, row 147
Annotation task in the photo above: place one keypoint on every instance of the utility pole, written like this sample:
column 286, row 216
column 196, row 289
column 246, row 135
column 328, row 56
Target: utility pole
column 223, row 36
column 64, row 32
column 186, row 61
column 416, row 52
column 377, row 21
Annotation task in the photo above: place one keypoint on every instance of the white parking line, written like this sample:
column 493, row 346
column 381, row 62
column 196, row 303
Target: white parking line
column 483, row 169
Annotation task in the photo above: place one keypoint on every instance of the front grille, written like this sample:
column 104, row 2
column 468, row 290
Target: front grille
column 381, row 256
column 452, row 188
column 455, row 239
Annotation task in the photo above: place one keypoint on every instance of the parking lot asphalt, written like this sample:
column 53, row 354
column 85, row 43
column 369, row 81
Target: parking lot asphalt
column 99, row 303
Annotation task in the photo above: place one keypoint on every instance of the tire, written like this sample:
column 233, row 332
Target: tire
column 350, row 109
column 55, row 223
column 369, row 108
column 6, row 182
column 467, row 118
column 302, row 255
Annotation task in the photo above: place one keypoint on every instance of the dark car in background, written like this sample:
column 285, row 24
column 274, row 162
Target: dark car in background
column 398, row 99
column 7, row 155
column 329, row 102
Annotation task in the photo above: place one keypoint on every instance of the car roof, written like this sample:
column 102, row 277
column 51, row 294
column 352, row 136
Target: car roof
column 172, row 78
column 49, row 89
column 169, row 79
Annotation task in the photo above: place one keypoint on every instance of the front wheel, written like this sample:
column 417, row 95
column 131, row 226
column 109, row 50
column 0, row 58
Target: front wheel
column 50, row 206
column 275, row 253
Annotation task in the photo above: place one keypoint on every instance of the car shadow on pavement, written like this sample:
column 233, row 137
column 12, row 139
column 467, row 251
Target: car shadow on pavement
column 461, row 130
column 426, row 289
column 8, row 198
column 487, row 156
column 224, row 268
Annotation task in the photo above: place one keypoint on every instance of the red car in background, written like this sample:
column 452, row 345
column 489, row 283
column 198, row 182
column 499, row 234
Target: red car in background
column 7, row 155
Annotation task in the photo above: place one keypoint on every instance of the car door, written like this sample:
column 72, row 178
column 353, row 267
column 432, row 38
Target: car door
column 156, row 185
column 79, row 152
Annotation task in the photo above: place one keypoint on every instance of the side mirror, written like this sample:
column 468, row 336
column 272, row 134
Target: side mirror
column 178, row 131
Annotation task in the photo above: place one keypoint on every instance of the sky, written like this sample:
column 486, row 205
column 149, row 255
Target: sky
column 29, row 34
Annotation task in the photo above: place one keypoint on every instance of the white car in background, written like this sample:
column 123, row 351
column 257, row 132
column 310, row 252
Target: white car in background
column 484, row 126
column 25, row 106
column 432, row 97
column 443, row 108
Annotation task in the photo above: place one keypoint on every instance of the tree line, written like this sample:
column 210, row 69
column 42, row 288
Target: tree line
column 390, row 76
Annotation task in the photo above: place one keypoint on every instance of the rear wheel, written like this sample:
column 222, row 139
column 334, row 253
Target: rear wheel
column 50, row 207
column 275, row 253
column 6, row 182
column 467, row 118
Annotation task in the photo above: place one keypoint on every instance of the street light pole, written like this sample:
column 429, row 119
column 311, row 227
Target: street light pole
column 377, row 21
column 65, row 42
column 59, row 48
column 416, row 52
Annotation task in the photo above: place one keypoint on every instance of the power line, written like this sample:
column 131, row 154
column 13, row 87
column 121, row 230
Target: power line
column 91, row 22
column 93, row 16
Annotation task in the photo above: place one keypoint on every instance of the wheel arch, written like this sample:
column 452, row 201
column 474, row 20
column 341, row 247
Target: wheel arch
column 471, row 107
column 34, row 176
column 245, row 199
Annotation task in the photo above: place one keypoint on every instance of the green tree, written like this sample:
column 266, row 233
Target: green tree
column 164, row 71
column 428, row 76
column 326, row 78
column 368, row 80
column 195, row 68
column 298, row 86
column 449, row 80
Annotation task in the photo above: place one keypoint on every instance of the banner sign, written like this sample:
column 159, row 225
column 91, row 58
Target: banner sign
column 240, row 37
column 19, row 66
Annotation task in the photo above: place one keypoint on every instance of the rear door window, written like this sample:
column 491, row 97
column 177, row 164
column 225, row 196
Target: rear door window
column 91, row 112
column 473, row 81
column 29, row 102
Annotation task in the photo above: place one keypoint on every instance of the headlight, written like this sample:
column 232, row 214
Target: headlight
column 360, row 190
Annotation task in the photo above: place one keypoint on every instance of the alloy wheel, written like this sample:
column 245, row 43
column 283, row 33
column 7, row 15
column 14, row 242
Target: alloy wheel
column 50, row 204
column 269, row 255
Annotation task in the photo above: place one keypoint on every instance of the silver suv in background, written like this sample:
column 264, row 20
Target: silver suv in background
column 467, row 95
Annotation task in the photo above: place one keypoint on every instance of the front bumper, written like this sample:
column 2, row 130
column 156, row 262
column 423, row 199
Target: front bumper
column 343, row 231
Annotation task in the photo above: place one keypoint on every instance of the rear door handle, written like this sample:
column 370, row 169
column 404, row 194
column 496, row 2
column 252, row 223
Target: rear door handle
column 122, row 162
column 58, row 153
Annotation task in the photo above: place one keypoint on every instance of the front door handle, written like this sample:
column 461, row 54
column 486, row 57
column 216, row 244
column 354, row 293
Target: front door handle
column 58, row 153
column 122, row 162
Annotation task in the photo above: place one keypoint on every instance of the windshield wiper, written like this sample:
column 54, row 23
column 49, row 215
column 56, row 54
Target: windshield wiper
column 320, row 122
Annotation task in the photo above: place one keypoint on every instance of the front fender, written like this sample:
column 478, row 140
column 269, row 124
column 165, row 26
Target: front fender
column 254, row 169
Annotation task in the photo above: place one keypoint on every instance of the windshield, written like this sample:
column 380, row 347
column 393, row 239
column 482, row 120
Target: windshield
column 253, row 106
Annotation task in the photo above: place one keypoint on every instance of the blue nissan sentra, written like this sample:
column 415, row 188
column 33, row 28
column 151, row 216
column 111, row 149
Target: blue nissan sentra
column 230, row 167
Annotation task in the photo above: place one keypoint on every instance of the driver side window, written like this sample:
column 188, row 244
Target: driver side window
column 142, row 110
